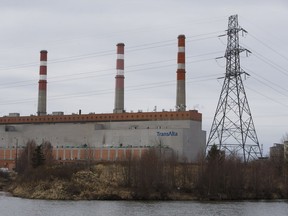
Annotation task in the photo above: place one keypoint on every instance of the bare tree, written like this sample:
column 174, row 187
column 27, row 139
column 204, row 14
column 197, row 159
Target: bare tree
column 24, row 161
column 48, row 153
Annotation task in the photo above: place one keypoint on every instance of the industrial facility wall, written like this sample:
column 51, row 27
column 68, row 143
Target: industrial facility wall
column 185, row 137
column 8, row 156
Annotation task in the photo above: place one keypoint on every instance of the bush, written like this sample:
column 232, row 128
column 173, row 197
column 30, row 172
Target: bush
column 62, row 172
column 34, row 156
column 4, row 174
column 152, row 173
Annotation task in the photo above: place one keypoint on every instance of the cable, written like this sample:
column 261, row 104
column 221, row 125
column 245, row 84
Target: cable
column 269, row 62
column 269, row 86
column 250, row 21
column 269, row 47
column 267, row 81
column 15, row 84
column 107, row 52
column 272, row 99
column 109, row 91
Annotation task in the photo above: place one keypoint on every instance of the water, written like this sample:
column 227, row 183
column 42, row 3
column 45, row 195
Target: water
column 10, row 206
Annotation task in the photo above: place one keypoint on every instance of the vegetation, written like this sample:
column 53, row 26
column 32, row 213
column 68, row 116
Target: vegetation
column 4, row 179
column 157, row 175
column 230, row 178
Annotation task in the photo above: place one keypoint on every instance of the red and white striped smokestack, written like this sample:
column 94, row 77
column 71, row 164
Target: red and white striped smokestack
column 181, row 94
column 42, row 94
column 119, row 87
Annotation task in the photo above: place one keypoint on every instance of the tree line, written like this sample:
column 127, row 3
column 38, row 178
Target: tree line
column 159, row 173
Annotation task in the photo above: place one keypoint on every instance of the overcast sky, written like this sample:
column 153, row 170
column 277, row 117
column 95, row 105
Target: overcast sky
column 81, row 38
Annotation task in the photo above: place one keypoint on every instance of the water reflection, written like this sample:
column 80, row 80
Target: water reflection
column 16, row 206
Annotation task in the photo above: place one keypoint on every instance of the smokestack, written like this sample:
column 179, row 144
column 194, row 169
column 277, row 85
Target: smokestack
column 42, row 94
column 181, row 95
column 119, row 87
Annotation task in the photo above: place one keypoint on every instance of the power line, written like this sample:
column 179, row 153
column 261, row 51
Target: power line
column 269, row 47
column 18, row 84
column 269, row 62
column 109, row 52
column 270, row 86
column 104, row 35
column 272, row 99
column 250, row 21
column 268, row 83
column 110, row 91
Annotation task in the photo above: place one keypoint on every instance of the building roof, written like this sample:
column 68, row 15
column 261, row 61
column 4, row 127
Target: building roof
column 104, row 117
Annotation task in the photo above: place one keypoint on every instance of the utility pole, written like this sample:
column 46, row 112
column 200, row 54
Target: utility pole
column 233, row 130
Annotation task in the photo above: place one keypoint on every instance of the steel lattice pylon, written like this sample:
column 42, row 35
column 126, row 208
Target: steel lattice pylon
column 233, row 129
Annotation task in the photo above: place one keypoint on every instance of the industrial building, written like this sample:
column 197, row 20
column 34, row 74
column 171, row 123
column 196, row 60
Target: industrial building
column 286, row 151
column 111, row 136
column 277, row 152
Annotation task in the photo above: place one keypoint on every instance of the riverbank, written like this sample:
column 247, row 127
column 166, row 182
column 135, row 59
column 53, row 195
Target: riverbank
column 59, row 190
column 98, row 182
column 3, row 183
column 152, row 177
column 118, row 181
column 5, row 180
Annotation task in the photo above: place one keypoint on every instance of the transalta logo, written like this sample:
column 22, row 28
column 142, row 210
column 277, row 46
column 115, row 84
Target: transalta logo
column 171, row 133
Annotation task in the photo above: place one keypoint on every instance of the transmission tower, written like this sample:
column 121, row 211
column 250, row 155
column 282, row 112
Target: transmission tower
column 233, row 130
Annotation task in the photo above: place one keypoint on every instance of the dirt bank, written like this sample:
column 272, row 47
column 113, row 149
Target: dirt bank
column 102, row 182
column 153, row 179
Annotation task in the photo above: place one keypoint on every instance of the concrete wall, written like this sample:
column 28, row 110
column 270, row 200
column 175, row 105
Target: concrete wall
column 185, row 137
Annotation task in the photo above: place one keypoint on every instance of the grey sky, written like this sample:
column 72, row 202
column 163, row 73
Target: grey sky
column 81, row 38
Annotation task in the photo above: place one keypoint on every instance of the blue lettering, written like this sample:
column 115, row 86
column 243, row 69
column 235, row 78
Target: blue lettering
column 171, row 133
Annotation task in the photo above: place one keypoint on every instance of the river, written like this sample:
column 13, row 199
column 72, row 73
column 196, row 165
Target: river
column 12, row 206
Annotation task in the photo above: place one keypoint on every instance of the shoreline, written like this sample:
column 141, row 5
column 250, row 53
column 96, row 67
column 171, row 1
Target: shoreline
column 127, row 195
column 9, row 194
column 143, row 180
column 40, row 191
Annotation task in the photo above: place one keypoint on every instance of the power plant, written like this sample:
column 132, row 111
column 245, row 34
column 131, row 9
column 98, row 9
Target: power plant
column 111, row 136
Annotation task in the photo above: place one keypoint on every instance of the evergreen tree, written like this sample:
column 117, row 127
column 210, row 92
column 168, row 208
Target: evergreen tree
column 38, row 158
column 215, row 155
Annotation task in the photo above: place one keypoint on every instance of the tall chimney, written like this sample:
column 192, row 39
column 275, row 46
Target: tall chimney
column 119, row 87
column 42, row 94
column 181, row 95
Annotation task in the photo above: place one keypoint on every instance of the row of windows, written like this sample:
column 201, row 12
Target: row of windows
column 93, row 117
